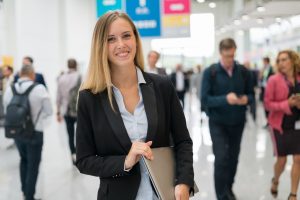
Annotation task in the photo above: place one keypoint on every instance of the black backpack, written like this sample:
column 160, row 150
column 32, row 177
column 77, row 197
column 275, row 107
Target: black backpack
column 18, row 122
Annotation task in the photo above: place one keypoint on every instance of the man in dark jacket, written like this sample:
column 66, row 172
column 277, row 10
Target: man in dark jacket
column 39, row 78
column 226, row 90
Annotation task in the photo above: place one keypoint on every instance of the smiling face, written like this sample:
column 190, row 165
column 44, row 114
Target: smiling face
column 121, row 44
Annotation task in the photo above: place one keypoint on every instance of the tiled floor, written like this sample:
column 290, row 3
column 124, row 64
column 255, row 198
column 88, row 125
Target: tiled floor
column 59, row 180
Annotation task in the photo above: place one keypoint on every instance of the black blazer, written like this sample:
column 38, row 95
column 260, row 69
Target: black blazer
column 103, row 143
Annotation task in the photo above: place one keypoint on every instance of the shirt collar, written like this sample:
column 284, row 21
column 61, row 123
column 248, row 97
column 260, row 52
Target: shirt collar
column 22, row 79
column 140, row 76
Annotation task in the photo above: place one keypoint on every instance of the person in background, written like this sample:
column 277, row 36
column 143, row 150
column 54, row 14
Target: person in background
column 226, row 91
column 282, row 100
column 153, row 57
column 254, row 78
column 123, row 112
column 195, row 81
column 8, row 77
column 265, row 74
column 39, row 78
column 30, row 149
column 180, row 82
column 7, row 81
column 65, row 83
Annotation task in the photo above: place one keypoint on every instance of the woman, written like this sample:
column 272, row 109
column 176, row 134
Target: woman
column 282, row 100
column 124, row 112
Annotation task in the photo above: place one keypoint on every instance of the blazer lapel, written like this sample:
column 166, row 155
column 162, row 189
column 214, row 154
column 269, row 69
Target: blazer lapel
column 115, row 121
column 149, row 99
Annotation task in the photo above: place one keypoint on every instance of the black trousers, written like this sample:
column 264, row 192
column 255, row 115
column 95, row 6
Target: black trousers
column 30, row 151
column 226, row 148
column 70, row 123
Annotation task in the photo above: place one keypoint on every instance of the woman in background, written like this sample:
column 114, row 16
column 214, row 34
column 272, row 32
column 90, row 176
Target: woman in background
column 282, row 100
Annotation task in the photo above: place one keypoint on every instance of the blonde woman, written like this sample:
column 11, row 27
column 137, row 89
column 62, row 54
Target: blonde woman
column 282, row 100
column 123, row 112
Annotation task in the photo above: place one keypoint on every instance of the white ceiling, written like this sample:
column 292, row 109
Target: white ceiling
column 273, row 9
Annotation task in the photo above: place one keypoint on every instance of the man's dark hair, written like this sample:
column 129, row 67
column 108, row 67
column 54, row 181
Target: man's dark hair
column 227, row 43
column 30, row 59
column 72, row 63
column 266, row 59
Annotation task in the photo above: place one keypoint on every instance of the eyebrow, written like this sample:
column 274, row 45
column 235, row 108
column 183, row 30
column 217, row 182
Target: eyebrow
column 121, row 33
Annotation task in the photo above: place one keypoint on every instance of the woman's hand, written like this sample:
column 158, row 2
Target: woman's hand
column 292, row 101
column 137, row 150
column 182, row 192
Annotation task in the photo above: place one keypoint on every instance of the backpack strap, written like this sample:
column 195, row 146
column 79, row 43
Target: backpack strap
column 29, row 89
column 13, row 89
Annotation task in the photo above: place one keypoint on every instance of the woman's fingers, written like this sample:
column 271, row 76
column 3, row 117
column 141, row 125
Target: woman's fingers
column 141, row 148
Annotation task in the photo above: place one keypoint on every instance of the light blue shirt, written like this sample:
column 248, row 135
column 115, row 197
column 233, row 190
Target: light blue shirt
column 136, row 125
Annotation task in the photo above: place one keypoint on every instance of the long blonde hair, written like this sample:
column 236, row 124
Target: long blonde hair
column 99, row 74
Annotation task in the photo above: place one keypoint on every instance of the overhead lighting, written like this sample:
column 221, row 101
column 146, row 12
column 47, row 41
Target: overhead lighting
column 245, row 17
column 261, row 9
column 237, row 22
column 223, row 30
column 260, row 20
column 240, row 32
column 200, row 1
column 278, row 19
column 212, row 5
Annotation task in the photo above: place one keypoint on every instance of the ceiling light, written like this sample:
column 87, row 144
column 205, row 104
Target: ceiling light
column 212, row 5
column 237, row 22
column 261, row 9
column 223, row 30
column 245, row 17
column 241, row 32
column 200, row 1
column 278, row 19
column 259, row 20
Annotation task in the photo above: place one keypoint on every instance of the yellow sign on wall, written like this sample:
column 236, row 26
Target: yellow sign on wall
column 7, row 60
column 176, row 20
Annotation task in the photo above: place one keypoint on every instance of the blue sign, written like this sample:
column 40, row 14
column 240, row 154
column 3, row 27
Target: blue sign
column 105, row 5
column 145, row 15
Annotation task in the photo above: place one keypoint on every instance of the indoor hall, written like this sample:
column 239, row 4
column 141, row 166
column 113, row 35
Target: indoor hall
column 54, row 31
column 60, row 180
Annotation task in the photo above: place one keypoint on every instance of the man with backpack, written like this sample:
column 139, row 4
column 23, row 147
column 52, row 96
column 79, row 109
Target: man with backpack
column 26, row 105
column 226, row 90
column 66, row 100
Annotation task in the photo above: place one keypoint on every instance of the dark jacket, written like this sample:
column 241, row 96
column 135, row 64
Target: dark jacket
column 103, row 143
column 216, row 85
column 186, row 81
column 39, row 78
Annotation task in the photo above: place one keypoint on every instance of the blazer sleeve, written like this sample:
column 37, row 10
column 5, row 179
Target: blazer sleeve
column 271, row 104
column 88, row 161
column 183, row 144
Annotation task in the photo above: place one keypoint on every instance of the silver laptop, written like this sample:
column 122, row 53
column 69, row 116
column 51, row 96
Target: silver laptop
column 162, row 172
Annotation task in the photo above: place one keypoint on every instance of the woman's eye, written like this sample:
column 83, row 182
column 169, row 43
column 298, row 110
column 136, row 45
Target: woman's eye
column 111, row 39
column 127, row 36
